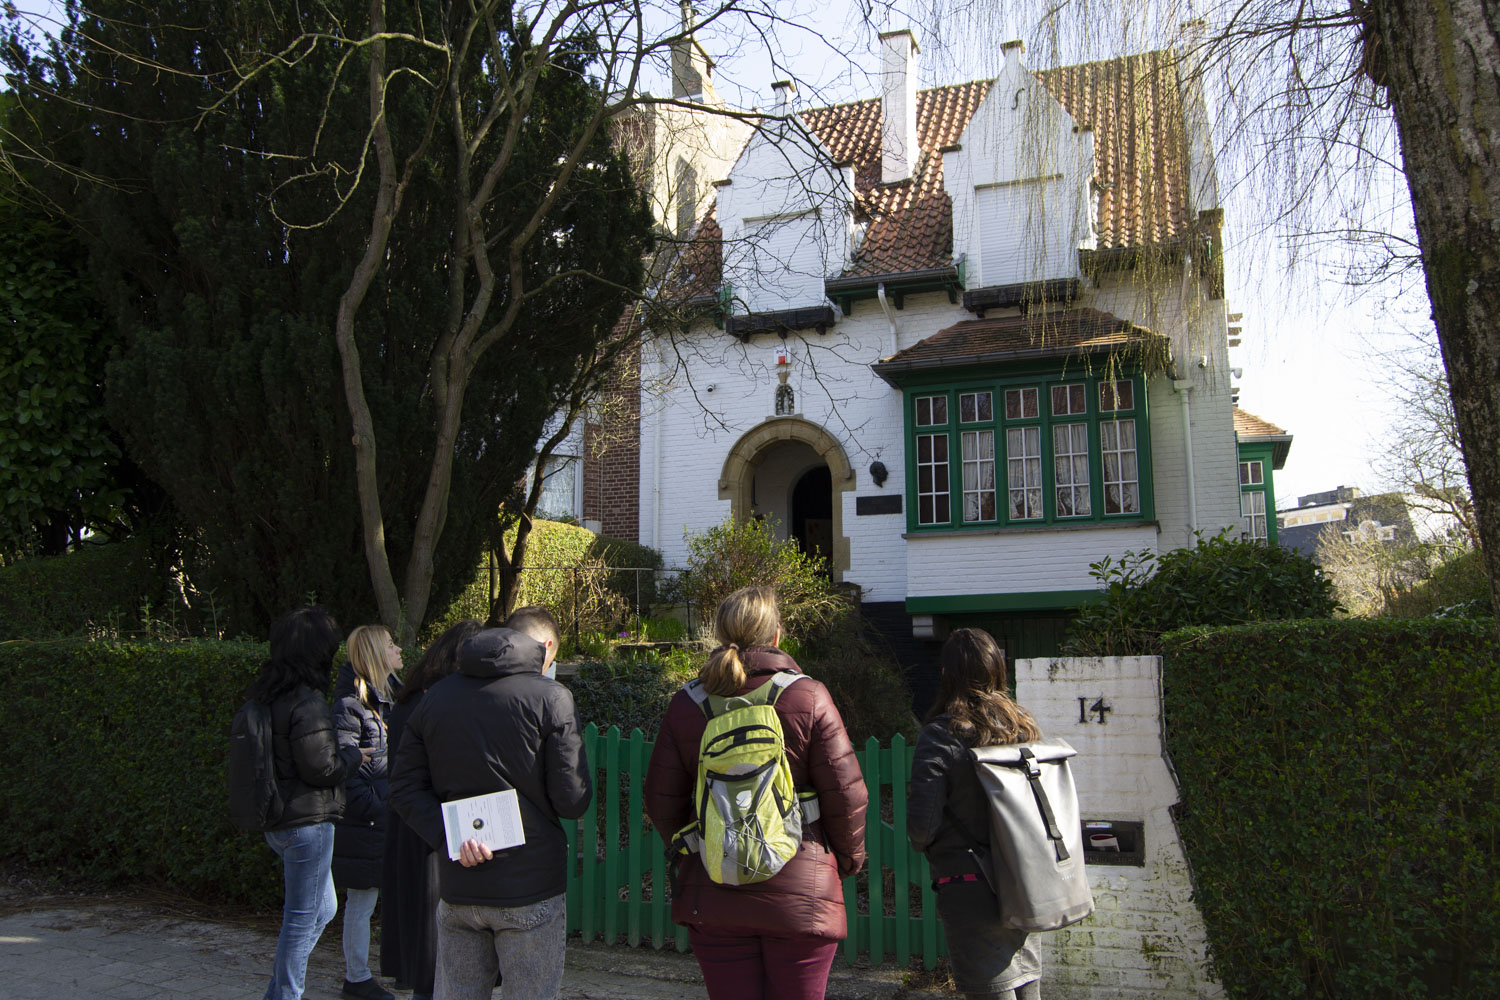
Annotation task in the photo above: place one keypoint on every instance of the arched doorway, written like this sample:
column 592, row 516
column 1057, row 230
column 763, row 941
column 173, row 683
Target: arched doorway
column 795, row 472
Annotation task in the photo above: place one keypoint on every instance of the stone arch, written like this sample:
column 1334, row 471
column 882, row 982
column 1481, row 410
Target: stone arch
column 745, row 457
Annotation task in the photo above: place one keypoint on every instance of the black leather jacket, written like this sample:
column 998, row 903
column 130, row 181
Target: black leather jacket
column 494, row 725
column 311, row 767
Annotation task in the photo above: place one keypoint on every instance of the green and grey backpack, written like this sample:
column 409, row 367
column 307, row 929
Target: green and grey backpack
column 749, row 815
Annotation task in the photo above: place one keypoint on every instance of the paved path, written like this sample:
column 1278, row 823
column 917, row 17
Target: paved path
column 76, row 950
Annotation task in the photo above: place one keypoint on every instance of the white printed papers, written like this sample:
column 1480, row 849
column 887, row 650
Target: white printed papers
column 494, row 820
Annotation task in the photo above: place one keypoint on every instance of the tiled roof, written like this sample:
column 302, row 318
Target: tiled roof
column 911, row 223
column 1248, row 425
column 1059, row 332
column 1133, row 104
column 699, row 268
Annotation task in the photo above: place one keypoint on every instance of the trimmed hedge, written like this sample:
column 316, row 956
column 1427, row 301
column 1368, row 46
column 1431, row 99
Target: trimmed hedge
column 1219, row 581
column 102, row 585
column 1339, row 804
column 115, row 764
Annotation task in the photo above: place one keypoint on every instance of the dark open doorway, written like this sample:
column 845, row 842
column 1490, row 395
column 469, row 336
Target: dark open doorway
column 812, row 512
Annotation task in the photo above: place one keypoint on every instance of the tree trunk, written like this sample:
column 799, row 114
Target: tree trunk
column 511, row 562
column 1437, row 60
column 387, row 600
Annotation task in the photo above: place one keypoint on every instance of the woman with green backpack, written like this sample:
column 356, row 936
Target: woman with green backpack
column 755, row 788
column 947, row 817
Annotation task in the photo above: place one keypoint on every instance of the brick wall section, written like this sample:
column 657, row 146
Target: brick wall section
column 1146, row 937
column 612, row 454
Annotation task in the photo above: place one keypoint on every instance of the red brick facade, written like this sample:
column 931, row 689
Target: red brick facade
column 612, row 454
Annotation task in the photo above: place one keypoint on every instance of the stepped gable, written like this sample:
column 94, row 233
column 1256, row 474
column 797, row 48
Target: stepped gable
column 1133, row 104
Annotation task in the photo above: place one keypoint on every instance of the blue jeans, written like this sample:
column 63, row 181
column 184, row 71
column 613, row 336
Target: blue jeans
column 359, row 904
column 306, row 854
column 525, row 943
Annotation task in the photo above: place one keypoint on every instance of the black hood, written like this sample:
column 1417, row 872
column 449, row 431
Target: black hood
column 498, row 652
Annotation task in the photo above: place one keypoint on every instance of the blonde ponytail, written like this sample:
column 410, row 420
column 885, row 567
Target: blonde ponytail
column 744, row 619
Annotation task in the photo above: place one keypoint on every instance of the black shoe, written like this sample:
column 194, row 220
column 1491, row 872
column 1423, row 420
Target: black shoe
column 367, row 990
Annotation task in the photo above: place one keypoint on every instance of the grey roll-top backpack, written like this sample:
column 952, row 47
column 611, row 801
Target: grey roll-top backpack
column 1036, row 840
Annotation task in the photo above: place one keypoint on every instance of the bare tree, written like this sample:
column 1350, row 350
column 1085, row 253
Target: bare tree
column 1422, row 456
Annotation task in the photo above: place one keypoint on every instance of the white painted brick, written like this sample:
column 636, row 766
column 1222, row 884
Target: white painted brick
column 1146, row 936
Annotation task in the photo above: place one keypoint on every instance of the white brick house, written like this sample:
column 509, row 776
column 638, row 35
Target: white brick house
column 964, row 341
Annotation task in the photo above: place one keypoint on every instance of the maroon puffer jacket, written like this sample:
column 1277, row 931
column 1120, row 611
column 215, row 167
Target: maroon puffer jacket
column 805, row 897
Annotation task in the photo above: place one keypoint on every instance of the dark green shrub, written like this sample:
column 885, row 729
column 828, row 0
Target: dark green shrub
column 632, row 691
column 115, row 764
column 867, row 683
column 737, row 554
column 1219, row 581
column 98, row 585
column 1456, row 586
column 1339, row 804
column 629, row 560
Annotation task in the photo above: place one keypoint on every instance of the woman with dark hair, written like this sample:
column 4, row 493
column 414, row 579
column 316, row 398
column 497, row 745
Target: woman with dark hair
column 408, row 928
column 947, row 817
column 775, row 938
column 311, row 769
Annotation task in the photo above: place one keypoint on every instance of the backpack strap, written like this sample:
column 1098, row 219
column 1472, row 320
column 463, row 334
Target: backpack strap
column 780, row 681
column 1034, row 779
column 696, row 691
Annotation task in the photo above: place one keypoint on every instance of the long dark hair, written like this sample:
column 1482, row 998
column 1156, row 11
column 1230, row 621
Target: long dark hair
column 303, row 643
column 438, row 660
column 972, row 693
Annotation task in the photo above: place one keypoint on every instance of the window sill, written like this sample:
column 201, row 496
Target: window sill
column 1029, row 529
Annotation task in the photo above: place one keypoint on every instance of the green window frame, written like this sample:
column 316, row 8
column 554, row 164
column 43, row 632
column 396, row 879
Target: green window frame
column 1020, row 451
column 1257, row 493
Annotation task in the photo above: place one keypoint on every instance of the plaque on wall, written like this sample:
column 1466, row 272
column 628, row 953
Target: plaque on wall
column 889, row 503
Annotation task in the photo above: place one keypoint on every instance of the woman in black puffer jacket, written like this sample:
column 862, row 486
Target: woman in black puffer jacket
column 311, row 767
column 364, row 699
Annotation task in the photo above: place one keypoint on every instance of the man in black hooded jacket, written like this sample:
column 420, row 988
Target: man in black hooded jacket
column 497, row 724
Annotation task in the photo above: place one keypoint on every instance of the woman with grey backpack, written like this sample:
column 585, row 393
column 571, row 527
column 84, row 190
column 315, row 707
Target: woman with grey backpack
column 948, row 818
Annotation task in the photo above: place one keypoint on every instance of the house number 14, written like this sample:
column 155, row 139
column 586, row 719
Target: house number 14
column 1098, row 708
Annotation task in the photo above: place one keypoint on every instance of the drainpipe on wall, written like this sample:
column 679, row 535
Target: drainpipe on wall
column 890, row 315
column 1184, row 387
column 656, row 476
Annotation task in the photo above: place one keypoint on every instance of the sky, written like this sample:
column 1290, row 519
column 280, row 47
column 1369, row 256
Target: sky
column 1310, row 351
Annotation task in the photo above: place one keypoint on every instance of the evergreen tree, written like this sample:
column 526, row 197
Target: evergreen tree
column 218, row 192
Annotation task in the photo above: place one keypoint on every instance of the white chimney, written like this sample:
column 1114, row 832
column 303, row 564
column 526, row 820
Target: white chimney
column 784, row 91
column 898, row 105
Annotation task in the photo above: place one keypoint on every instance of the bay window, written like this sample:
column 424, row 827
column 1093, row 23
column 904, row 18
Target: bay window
column 1043, row 450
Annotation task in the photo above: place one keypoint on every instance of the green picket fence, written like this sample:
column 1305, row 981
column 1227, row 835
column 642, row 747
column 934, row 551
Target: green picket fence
column 617, row 886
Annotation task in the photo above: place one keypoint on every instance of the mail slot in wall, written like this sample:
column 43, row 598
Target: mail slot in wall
column 1114, row 842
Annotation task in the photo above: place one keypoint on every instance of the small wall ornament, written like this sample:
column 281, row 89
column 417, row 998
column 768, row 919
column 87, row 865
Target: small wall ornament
column 786, row 400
